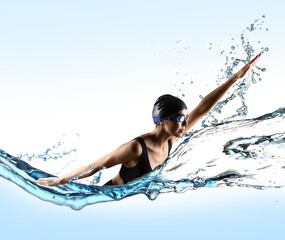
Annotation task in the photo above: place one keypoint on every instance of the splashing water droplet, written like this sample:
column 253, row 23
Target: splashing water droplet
column 258, row 152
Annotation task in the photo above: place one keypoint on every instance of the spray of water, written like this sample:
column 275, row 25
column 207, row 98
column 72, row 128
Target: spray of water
column 246, row 153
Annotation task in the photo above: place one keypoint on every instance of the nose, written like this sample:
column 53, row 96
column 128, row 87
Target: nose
column 184, row 123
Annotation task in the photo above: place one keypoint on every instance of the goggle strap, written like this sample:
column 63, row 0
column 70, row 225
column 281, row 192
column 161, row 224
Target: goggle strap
column 155, row 120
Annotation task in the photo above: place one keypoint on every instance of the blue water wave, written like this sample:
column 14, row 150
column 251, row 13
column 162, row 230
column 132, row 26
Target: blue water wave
column 161, row 180
column 247, row 153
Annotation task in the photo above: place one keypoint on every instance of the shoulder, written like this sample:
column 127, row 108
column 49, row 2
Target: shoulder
column 135, row 147
column 132, row 148
column 129, row 151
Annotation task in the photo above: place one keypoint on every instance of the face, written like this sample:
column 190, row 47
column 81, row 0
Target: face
column 175, row 128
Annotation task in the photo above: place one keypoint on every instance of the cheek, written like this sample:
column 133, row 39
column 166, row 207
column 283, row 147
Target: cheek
column 172, row 126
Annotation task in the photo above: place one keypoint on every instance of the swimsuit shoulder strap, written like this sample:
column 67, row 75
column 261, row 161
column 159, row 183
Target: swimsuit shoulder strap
column 144, row 148
column 144, row 156
column 128, row 174
column 169, row 146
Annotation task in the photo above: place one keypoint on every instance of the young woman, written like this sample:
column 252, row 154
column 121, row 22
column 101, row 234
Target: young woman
column 143, row 154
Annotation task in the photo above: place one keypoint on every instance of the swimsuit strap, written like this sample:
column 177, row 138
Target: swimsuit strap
column 144, row 156
column 169, row 146
column 144, row 148
column 143, row 167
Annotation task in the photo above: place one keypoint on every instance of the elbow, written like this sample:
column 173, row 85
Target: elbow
column 204, row 107
column 91, row 169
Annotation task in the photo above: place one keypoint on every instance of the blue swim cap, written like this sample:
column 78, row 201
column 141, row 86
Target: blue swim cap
column 166, row 105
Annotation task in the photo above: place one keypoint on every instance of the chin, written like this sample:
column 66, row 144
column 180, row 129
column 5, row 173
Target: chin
column 179, row 134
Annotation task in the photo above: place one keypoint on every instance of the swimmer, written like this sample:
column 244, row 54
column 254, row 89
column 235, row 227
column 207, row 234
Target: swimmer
column 144, row 153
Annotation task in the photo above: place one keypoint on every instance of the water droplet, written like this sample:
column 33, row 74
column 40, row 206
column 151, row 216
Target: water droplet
column 233, row 47
column 263, row 69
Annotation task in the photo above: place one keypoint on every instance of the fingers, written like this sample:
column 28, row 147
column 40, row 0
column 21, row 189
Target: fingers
column 42, row 181
column 248, row 67
column 46, row 181
column 253, row 61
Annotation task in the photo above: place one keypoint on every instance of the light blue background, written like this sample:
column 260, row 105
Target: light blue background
column 83, row 66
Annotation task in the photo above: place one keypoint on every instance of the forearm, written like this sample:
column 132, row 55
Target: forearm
column 209, row 101
column 212, row 98
column 79, row 173
column 126, row 151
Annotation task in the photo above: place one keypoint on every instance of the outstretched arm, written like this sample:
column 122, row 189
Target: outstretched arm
column 209, row 101
column 127, row 151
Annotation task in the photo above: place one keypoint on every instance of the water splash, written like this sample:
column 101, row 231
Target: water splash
column 249, row 158
column 247, row 153
column 61, row 149
column 241, row 88
column 62, row 154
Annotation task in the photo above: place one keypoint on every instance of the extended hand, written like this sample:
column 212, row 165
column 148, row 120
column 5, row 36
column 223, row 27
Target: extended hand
column 247, row 68
column 52, row 181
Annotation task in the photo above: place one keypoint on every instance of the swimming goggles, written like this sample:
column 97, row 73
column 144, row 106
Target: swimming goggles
column 180, row 118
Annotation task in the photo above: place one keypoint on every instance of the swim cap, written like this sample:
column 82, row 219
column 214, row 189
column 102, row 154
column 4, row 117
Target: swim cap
column 166, row 105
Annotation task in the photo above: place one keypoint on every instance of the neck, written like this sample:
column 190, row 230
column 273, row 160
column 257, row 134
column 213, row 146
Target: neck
column 159, row 136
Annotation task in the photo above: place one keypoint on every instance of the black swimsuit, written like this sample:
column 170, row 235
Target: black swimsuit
column 143, row 167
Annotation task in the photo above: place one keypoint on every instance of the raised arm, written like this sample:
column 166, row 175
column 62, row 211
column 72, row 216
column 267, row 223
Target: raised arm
column 209, row 101
column 126, row 152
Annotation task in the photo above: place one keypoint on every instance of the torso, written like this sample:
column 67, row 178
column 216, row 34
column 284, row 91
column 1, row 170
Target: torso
column 151, row 157
column 156, row 156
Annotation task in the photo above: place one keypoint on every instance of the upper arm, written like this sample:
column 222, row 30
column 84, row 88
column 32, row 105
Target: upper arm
column 195, row 115
column 123, row 154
